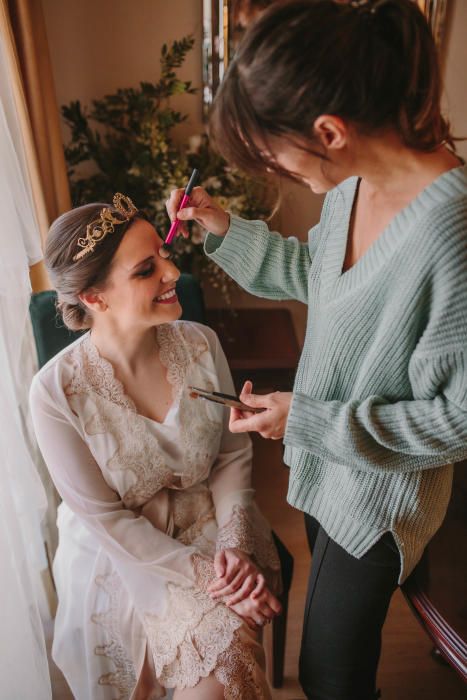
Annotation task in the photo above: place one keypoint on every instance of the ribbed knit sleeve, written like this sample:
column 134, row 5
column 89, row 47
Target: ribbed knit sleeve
column 430, row 430
column 375, row 435
column 263, row 262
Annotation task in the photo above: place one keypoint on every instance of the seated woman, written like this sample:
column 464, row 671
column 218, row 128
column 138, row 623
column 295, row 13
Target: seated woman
column 165, row 569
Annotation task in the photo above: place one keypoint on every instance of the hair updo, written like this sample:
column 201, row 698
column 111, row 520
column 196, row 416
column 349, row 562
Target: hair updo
column 72, row 277
column 372, row 63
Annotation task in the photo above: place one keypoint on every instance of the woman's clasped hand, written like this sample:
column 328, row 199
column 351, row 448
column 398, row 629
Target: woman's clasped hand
column 243, row 588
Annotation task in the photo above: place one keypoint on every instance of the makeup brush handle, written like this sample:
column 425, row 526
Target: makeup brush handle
column 176, row 222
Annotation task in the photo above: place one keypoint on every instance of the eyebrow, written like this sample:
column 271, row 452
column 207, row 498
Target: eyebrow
column 151, row 257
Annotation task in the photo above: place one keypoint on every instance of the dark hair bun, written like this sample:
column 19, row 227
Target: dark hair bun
column 74, row 316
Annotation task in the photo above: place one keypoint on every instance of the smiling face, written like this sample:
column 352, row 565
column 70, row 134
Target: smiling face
column 139, row 291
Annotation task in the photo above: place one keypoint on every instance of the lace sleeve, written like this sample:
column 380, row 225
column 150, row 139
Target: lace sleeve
column 249, row 531
column 241, row 524
column 230, row 477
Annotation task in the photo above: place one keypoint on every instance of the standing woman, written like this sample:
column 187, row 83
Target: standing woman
column 346, row 98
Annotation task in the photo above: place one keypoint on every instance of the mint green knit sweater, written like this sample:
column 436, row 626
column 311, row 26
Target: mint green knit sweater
column 379, row 408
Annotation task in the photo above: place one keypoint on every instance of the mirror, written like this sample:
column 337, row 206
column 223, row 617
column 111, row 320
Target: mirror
column 217, row 22
column 224, row 22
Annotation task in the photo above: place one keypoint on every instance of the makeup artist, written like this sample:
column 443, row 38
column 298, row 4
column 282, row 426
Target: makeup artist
column 346, row 98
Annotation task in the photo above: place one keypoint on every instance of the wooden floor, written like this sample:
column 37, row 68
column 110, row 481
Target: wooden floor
column 407, row 671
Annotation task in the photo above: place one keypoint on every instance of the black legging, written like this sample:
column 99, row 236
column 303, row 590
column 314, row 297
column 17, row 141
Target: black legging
column 346, row 605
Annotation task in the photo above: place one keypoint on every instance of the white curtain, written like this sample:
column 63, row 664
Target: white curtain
column 23, row 661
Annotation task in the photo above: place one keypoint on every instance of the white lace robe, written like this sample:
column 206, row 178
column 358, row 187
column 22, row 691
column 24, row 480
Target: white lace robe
column 145, row 504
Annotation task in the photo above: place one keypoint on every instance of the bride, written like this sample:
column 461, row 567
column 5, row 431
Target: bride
column 165, row 569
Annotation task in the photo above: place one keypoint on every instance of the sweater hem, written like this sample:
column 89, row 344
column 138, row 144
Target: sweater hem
column 355, row 536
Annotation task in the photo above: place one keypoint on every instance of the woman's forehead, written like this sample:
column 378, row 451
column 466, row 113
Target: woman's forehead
column 140, row 241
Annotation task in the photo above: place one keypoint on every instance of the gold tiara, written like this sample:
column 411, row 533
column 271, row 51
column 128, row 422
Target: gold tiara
column 97, row 230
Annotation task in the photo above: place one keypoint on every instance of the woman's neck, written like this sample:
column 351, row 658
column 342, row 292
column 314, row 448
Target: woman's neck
column 126, row 350
column 391, row 170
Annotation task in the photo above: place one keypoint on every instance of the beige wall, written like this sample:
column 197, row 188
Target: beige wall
column 99, row 45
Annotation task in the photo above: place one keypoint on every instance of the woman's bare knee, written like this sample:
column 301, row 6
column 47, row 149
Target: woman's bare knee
column 207, row 689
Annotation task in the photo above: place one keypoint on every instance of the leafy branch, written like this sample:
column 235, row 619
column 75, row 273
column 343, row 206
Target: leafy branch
column 123, row 143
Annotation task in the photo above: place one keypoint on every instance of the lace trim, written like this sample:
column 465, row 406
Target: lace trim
column 197, row 442
column 195, row 630
column 208, row 641
column 236, row 670
column 188, row 506
column 176, row 353
column 138, row 449
column 123, row 678
column 96, row 372
column 193, row 534
column 248, row 530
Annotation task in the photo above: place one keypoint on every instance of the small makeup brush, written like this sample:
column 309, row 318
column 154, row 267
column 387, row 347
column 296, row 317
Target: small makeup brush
column 166, row 248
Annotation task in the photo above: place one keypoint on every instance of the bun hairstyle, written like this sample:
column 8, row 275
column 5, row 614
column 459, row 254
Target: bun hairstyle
column 371, row 62
column 70, row 277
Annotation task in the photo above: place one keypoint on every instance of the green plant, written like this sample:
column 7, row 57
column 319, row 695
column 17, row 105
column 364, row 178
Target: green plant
column 124, row 143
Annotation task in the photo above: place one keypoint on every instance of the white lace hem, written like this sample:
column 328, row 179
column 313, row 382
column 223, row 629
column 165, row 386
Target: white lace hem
column 195, row 630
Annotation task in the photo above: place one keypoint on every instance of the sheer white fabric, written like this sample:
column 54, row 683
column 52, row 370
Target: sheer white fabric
column 23, row 660
column 144, row 504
